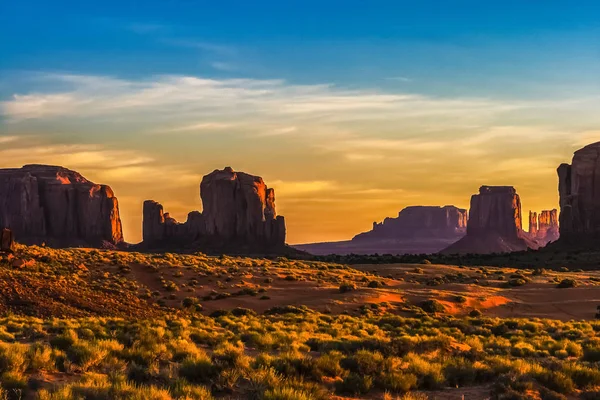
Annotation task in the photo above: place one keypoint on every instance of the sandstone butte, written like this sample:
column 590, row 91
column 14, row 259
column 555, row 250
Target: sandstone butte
column 238, row 214
column 58, row 207
column 495, row 224
column 579, row 191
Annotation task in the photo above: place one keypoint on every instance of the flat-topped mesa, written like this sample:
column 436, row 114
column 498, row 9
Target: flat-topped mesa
column 579, row 190
column 58, row 207
column 495, row 223
column 419, row 222
column 238, row 213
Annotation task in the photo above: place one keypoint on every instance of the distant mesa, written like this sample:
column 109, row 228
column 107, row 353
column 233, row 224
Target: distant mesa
column 419, row 221
column 579, row 191
column 238, row 216
column 543, row 227
column 416, row 230
column 58, row 207
column 495, row 224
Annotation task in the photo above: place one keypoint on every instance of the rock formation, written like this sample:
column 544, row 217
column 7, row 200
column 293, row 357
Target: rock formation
column 7, row 243
column 238, row 214
column 545, row 227
column 58, row 207
column 495, row 223
column 420, row 221
column 416, row 230
column 533, row 224
column 579, row 190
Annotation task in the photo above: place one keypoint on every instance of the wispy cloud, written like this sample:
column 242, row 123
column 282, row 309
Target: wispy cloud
column 185, row 96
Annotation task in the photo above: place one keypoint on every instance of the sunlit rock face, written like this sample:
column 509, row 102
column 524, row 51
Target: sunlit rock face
column 533, row 224
column 495, row 223
column 579, row 191
column 548, row 230
column 238, row 213
column 58, row 207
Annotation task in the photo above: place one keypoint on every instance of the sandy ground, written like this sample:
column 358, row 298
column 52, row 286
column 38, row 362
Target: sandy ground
column 403, row 286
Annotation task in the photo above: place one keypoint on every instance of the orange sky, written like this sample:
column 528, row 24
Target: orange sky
column 338, row 159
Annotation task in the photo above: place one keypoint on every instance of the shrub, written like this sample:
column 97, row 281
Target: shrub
column 398, row 382
column 355, row 384
column 199, row 370
column 347, row 287
column 432, row 306
column 567, row 283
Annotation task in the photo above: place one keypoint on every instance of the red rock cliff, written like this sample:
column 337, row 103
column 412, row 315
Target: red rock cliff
column 59, row 207
column 238, row 210
column 579, row 191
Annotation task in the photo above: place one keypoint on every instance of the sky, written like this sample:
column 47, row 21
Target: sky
column 350, row 110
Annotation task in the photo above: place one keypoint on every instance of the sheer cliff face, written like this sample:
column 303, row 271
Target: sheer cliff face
column 579, row 190
column 495, row 223
column 496, row 209
column 238, row 209
column 420, row 222
column 59, row 207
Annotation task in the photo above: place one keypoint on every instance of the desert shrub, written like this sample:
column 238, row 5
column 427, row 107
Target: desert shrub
column 567, row 283
column 286, row 393
column 329, row 364
column 432, row 306
column 363, row 362
column 375, row 284
column 347, row 287
column 556, row 381
column 198, row 370
column 515, row 282
column 398, row 382
column 354, row 384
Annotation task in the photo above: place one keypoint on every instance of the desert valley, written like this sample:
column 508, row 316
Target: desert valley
column 457, row 304
column 315, row 200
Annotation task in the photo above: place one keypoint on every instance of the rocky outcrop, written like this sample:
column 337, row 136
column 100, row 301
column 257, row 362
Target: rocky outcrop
column 543, row 227
column 7, row 243
column 58, row 207
column 533, row 224
column 495, row 223
column 579, row 191
column 548, row 230
column 419, row 221
column 238, row 214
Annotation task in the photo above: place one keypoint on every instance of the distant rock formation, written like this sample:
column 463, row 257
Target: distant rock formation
column 533, row 224
column 58, row 207
column 416, row 230
column 419, row 221
column 579, row 190
column 545, row 227
column 7, row 243
column 495, row 223
column 238, row 214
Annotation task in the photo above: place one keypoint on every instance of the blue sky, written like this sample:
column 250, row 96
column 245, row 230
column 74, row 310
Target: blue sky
column 318, row 97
